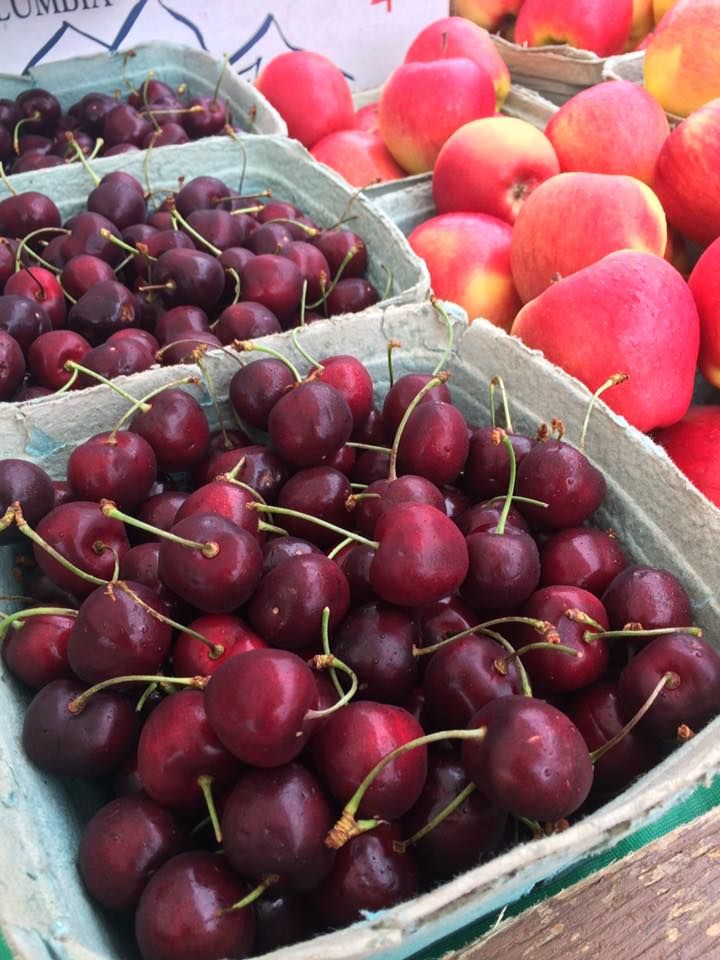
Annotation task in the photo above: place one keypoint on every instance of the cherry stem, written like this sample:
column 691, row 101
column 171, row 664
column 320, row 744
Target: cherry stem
column 498, row 383
column 48, row 266
column 82, row 158
column 499, row 436
column 304, row 354
column 303, row 303
column 144, row 406
column 216, row 649
column 72, row 366
column 3, row 176
column 391, row 345
column 223, row 68
column 588, row 637
column 501, row 665
column 16, row 619
column 519, row 665
column 442, row 362
column 271, row 528
column 147, row 692
column 24, row 243
column 325, row 632
column 231, row 477
column 612, row 381
column 7, row 520
column 99, row 547
column 400, row 846
column 198, row 356
column 78, row 704
column 336, row 279
column 70, row 383
column 27, row 531
column 670, row 681
column 517, row 499
column 236, row 281
column 543, row 627
column 135, row 251
column 347, row 826
column 437, row 380
column 388, row 281
column 328, row 661
column 209, row 549
column 284, row 511
column 248, row 346
column 239, row 210
column 310, row 231
column 534, row 826
column 255, row 893
column 205, row 783
column 339, row 547
column 16, row 132
column 368, row 446
column 351, row 501
column 176, row 215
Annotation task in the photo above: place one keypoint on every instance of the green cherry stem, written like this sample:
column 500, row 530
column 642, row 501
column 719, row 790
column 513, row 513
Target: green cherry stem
column 232, row 272
column 18, row 619
column 388, row 281
column 525, row 686
column 437, row 380
column 400, row 846
column 271, row 528
column 24, row 243
column 499, row 436
column 347, row 826
column 543, row 627
column 248, row 346
column 368, row 446
column 176, row 215
column 284, row 511
column 328, row 661
column 303, row 352
column 72, row 366
column 128, row 248
column 78, row 704
column 589, row 636
column 501, row 665
column 303, row 306
column 27, row 531
column 16, row 132
column 255, row 893
column 209, row 549
column 612, row 381
column 338, row 548
column 391, row 345
column 205, row 783
column 498, row 383
column 8, row 518
column 668, row 681
column 336, row 279
column 8, row 186
column 516, row 499
column 325, row 629
column 147, row 692
column 216, row 649
column 442, row 362
column 82, row 158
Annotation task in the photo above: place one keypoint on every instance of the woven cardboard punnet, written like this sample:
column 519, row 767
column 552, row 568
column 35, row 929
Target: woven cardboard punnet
column 44, row 914
column 282, row 165
column 70, row 80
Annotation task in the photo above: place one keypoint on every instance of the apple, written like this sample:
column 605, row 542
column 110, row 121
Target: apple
column 661, row 7
column 614, row 127
column 704, row 284
column 693, row 444
column 602, row 26
column 309, row 92
column 468, row 256
column 682, row 61
column 687, row 175
column 457, row 37
column 628, row 313
column 366, row 118
column 491, row 166
column 643, row 21
column 575, row 219
column 359, row 156
column 489, row 14
column 423, row 103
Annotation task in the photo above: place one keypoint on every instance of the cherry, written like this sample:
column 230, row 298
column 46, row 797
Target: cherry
column 119, row 201
column 350, row 295
column 442, row 619
column 582, row 557
column 487, row 469
column 261, row 468
column 355, row 561
column 189, row 277
column 85, row 744
column 116, row 634
column 115, row 359
column 176, row 428
column 596, row 712
column 90, row 111
column 62, row 492
column 42, row 107
column 183, row 349
column 200, row 193
column 258, row 705
column 31, row 393
column 504, row 569
column 561, row 476
column 123, row 845
column 486, row 515
column 320, row 491
column 335, row 246
column 158, row 243
column 26, row 212
column 217, row 227
column 275, row 822
column 41, row 588
column 23, row 319
column 256, row 388
column 456, row 502
column 41, row 286
column 691, row 694
column 272, row 238
column 124, row 125
column 403, row 392
column 169, row 133
column 224, row 498
column 647, row 595
column 376, row 640
column 49, row 353
column 177, row 748
column 208, row 121
column 12, row 365
column 29, row 485
column 282, row 919
column 89, row 234
column 370, row 466
column 108, row 306
column 273, row 281
column 35, row 649
column 140, row 564
column 282, row 548
column 368, row 731
column 185, row 911
column 192, row 658
column 309, row 259
column 120, row 465
column 467, row 836
column 309, row 423
column 532, row 761
column 245, row 321
column 8, row 250
column 368, row 875
column 352, row 378
column 141, row 337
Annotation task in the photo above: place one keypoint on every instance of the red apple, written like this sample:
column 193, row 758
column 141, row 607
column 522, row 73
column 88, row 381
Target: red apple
column 704, row 283
column 614, row 127
column 602, row 26
column 575, row 219
column 361, row 157
column 687, row 175
column 458, row 37
column 491, row 166
column 693, row 444
column 629, row 313
column 366, row 118
column 643, row 22
column 468, row 256
column 422, row 104
column 489, row 14
column 309, row 92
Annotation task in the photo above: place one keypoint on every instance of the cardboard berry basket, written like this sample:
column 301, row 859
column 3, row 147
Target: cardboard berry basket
column 283, row 166
column 44, row 913
column 119, row 72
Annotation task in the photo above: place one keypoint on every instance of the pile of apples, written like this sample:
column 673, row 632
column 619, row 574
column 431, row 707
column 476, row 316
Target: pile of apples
column 596, row 241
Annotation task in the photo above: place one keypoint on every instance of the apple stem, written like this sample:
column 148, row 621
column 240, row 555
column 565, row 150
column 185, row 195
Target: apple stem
column 612, row 381
column 322, row 302
column 543, row 627
column 69, row 136
column 437, row 380
column 17, row 620
column 216, row 649
column 248, row 346
column 442, row 362
column 109, row 235
column 3, row 176
column 144, row 406
column 27, row 531
column 209, row 550
column 328, row 661
column 391, row 345
column 78, row 704
column 499, row 436
column 284, row 511
column 400, row 846
column 670, row 681
column 255, row 893
column 205, row 783
column 498, row 383
column 302, row 351
column 16, row 132
column 501, row 665
column 347, row 826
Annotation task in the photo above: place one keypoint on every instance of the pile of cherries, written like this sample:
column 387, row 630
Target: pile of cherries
column 118, row 288
column 35, row 133
column 333, row 656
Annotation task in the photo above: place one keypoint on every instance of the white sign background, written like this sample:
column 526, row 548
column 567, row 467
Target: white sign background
column 367, row 40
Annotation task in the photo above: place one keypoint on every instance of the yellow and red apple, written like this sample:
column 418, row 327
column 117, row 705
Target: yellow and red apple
column 492, row 166
column 693, row 444
column 359, row 156
column 602, row 26
column 614, row 127
column 661, row 7
column 643, row 21
column 468, row 256
column 628, row 313
column 489, row 14
column 704, row 284
column 575, row 219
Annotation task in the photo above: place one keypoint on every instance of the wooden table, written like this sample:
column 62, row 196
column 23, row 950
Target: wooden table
column 660, row 903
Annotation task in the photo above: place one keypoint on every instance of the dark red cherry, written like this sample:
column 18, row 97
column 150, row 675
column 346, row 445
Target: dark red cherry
column 532, row 761
column 23, row 319
column 184, row 912
column 262, row 469
column 504, row 569
column 83, row 272
column 29, row 485
column 355, row 561
column 176, row 428
column 224, row 498
column 321, row 492
column 26, row 212
column 85, row 744
column 106, row 307
column 218, row 227
column 282, row 548
column 86, row 236
column 208, row 121
column 404, row 391
column 40, row 286
column 12, row 365
column 456, row 502
column 487, row 469
column 201, row 193
column 273, row 281
column 442, row 619
column 582, row 557
column 256, row 388
column 42, row 107
column 335, row 245
column 116, row 466
column 123, row 845
column 561, row 476
column 350, row 295
column 271, row 238
column 90, row 111
column 282, row 919
column 115, row 359
column 156, row 244
column 118, row 201
column 314, row 268
column 648, row 595
column 35, row 649
column 123, row 124
column 193, row 658
column 310, row 423
column 140, row 564
column 191, row 277
column 245, row 321
column 168, row 134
